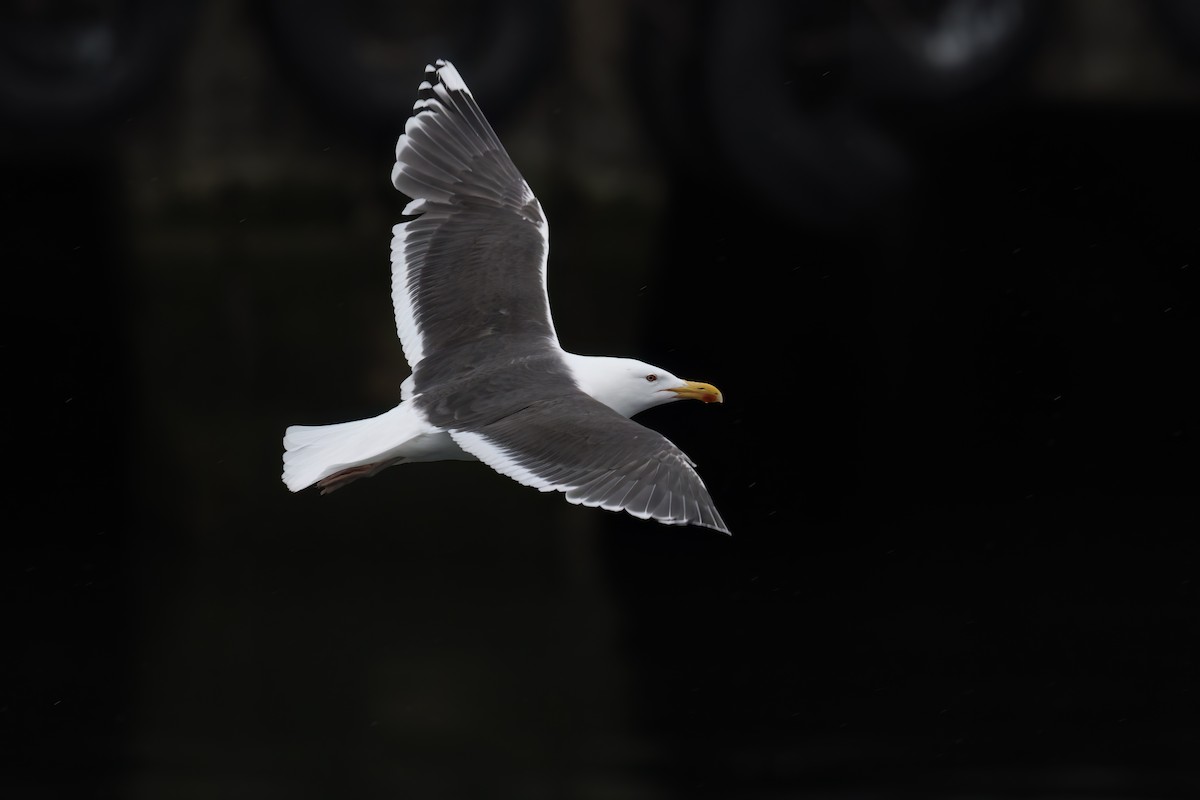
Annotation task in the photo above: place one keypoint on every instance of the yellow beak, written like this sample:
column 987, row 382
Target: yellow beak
column 694, row 390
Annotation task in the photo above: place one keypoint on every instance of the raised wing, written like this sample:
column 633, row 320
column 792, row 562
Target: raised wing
column 472, row 265
column 577, row 445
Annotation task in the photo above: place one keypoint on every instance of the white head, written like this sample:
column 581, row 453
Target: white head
column 628, row 386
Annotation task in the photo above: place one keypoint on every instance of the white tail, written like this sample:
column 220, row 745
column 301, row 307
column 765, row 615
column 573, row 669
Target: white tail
column 313, row 452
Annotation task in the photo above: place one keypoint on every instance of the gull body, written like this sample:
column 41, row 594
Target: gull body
column 490, row 381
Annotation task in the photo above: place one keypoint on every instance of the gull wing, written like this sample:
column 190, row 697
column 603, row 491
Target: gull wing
column 472, row 264
column 576, row 445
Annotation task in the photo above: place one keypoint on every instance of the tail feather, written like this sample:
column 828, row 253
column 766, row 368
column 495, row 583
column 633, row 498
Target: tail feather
column 313, row 452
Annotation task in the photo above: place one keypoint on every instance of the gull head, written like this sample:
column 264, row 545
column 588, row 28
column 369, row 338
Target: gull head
column 629, row 386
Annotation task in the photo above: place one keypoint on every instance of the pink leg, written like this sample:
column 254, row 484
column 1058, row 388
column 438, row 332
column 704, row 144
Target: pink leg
column 339, row 479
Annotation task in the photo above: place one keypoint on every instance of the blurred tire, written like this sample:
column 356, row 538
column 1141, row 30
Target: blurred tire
column 939, row 51
column 794, row 133
column 805, row 103
column 361, row 59
column 79, row 63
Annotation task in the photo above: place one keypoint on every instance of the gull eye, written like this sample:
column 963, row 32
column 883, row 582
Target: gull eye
column 651, row 377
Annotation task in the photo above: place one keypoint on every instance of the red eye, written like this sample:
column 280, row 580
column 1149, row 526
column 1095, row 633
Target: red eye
column 652, row 377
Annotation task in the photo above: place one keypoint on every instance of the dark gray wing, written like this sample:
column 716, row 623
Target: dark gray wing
column 471, row 267
column 579, row 446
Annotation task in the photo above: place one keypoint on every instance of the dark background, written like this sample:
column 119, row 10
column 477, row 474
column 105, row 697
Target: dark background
column 939, row 256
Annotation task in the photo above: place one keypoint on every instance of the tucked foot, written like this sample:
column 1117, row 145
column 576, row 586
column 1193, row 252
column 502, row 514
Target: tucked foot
column 339, row 479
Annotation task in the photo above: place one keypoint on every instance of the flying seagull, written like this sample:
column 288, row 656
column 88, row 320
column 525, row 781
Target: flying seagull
column 489, row 380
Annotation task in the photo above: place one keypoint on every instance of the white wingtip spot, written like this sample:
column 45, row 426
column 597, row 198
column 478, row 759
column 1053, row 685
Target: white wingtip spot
column 450, row 77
